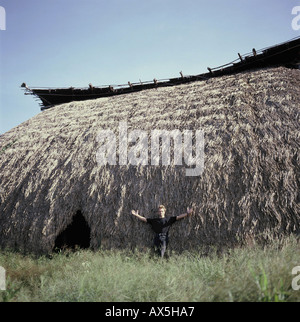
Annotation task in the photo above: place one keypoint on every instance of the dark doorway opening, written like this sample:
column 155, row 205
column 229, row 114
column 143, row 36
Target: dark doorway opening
column 76, row 235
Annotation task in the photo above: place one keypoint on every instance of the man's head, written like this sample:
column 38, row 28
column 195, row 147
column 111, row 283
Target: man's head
column 161, row 211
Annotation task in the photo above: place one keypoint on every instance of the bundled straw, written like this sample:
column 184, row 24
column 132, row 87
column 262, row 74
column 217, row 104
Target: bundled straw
column 249, row 188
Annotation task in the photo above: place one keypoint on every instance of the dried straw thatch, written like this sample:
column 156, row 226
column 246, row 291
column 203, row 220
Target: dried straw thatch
column 249, row 187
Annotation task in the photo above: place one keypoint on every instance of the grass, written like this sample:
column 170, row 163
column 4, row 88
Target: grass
column 255, row 273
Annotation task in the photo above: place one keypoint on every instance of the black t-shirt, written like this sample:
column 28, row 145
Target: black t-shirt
column 161, row 225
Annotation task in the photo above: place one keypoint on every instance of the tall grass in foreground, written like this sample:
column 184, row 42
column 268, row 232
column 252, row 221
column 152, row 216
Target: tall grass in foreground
column 241, row 274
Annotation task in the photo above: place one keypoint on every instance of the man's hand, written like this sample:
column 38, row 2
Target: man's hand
column 188, row 212
column 136, row 214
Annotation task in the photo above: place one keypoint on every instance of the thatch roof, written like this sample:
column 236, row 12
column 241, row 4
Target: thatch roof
column 286, row 54
column 249, row 187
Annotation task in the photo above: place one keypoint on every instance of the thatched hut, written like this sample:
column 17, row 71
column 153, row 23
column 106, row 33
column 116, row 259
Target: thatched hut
column 51, row 181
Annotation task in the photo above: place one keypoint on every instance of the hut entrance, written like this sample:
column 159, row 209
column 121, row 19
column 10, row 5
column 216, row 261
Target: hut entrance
column 76, row 235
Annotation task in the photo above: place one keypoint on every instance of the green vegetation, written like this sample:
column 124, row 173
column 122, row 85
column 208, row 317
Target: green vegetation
column 241, row 274
column 8, row 146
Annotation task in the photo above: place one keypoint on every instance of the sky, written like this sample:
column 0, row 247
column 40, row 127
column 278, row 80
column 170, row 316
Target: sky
column 64, row 43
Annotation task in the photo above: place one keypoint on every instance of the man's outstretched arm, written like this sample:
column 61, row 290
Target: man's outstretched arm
column 188, row 212
column 136, row 214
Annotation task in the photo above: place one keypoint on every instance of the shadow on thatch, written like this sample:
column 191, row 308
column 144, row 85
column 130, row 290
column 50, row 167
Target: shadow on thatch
column 249, row 189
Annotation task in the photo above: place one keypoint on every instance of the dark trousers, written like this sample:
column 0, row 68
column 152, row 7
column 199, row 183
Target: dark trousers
column 160, row 243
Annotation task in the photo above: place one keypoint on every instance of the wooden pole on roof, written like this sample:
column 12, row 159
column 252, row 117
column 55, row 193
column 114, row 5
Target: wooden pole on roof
column 24, row 85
